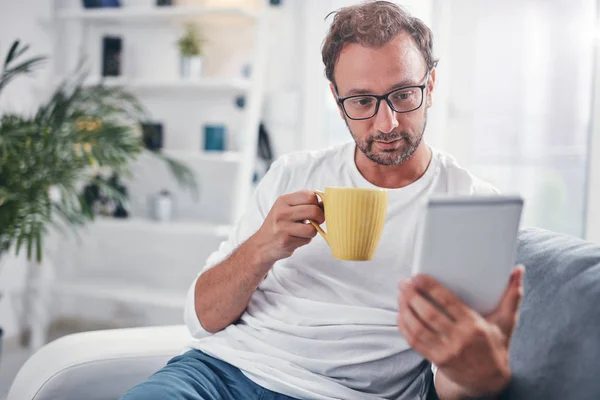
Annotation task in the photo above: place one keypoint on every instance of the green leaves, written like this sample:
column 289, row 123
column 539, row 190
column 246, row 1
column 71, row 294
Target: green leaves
column 78, row 131
column 10, row 71
column 190, row 44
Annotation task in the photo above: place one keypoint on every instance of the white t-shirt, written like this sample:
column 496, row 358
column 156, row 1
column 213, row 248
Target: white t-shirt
column 317, row 327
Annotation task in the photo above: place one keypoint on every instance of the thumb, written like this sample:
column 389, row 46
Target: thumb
column 505, row 315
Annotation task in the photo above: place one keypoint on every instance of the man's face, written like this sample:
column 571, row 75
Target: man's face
column 388, row 138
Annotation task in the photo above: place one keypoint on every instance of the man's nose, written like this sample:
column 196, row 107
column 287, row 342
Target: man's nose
column 385, row 119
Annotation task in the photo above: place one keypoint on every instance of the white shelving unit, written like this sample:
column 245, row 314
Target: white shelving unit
column 237, row 85
column 223, row 156
column 135, row 225
column 129, row 14
column 241, row 160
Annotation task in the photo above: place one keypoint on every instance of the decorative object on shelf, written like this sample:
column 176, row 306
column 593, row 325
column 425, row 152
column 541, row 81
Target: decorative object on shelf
column 264, row 153
column 92, row 198
column 265, row 150
column 164, row 3
column 111, row 55
column 240, row 101
column 152, row 133
column 161, row 206
column 246, row 70
column 190, row 50
column 92, row 3
column 214, row 137
column 101, row 3
column 121, row 204
column 106, row 197
column 79, row 131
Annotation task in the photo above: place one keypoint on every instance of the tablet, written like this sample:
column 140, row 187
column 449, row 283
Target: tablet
column 468, row 244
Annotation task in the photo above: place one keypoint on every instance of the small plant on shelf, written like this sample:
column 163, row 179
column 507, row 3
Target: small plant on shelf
column 191, row 46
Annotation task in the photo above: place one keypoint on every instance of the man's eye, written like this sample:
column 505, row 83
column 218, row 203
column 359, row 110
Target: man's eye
column 403, row 95
column 362, row 101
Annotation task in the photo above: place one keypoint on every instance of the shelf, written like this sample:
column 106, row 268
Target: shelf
column 124, row 14
column 220, row 84
column 215, row 156
column 118, row 291
column 169, row 228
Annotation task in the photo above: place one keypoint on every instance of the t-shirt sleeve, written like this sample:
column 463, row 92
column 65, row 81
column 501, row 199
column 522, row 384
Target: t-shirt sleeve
column 259, row 206
column 483, row 188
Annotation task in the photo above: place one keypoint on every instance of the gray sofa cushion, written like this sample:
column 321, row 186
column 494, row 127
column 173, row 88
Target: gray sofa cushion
column 555, row 352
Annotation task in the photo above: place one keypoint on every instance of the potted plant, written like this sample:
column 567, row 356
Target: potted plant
column 47, row 158
column 190, row 50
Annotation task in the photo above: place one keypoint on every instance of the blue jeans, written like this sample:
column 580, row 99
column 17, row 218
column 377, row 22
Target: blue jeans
column 197, row 376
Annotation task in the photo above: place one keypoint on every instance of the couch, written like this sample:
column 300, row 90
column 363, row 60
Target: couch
column 555, row 351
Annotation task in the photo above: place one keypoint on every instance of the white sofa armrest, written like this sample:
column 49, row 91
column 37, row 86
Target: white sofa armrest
column 97, row 365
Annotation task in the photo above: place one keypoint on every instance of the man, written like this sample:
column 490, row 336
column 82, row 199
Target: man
column 276, row 317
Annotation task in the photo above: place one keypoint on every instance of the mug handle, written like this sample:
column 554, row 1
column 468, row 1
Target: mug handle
column 313, row 223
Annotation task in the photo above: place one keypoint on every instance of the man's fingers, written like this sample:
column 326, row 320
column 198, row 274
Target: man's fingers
column 301, row 197
column 505, row 315
column 425, row 310
column 514, row 292
column 443, row 298
column 416, row 330
column 307, row 212
column 419, row 337
column 299, row 242
column 301, row 230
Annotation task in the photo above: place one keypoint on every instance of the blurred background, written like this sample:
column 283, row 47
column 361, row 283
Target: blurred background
column 227, row 86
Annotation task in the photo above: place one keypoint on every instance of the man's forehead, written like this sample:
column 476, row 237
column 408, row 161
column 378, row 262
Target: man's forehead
column 368, row 68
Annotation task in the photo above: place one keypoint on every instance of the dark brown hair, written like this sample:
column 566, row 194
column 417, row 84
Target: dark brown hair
column 374, row 24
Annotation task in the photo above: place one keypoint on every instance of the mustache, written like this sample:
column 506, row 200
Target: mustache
column 388, row 137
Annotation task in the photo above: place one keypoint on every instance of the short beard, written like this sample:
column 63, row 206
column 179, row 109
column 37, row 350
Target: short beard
column 390, row 157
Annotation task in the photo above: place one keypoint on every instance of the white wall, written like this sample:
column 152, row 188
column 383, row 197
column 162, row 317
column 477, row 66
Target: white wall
column 499, row 114
column 17, row 21
column 281, row 112
column 593, row 198
column 593, row 202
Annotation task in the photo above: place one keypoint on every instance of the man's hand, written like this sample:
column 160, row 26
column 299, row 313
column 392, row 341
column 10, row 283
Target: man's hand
column 284, row 228
column 470, row 351
column 222, row 293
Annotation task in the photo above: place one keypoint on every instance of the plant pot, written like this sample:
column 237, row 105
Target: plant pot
column 191, row 67
column 162, row 207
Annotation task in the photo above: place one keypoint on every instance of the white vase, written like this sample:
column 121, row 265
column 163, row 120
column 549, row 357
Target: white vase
column 138, row 3
column 162, row 207
column 191, row 67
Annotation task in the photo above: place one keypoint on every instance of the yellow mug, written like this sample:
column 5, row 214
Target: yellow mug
column 355, row 219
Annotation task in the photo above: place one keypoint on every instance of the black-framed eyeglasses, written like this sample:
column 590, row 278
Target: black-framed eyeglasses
column 401, row 100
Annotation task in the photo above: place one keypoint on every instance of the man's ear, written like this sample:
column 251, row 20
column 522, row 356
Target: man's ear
column 430, row 88
column 335, row 98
